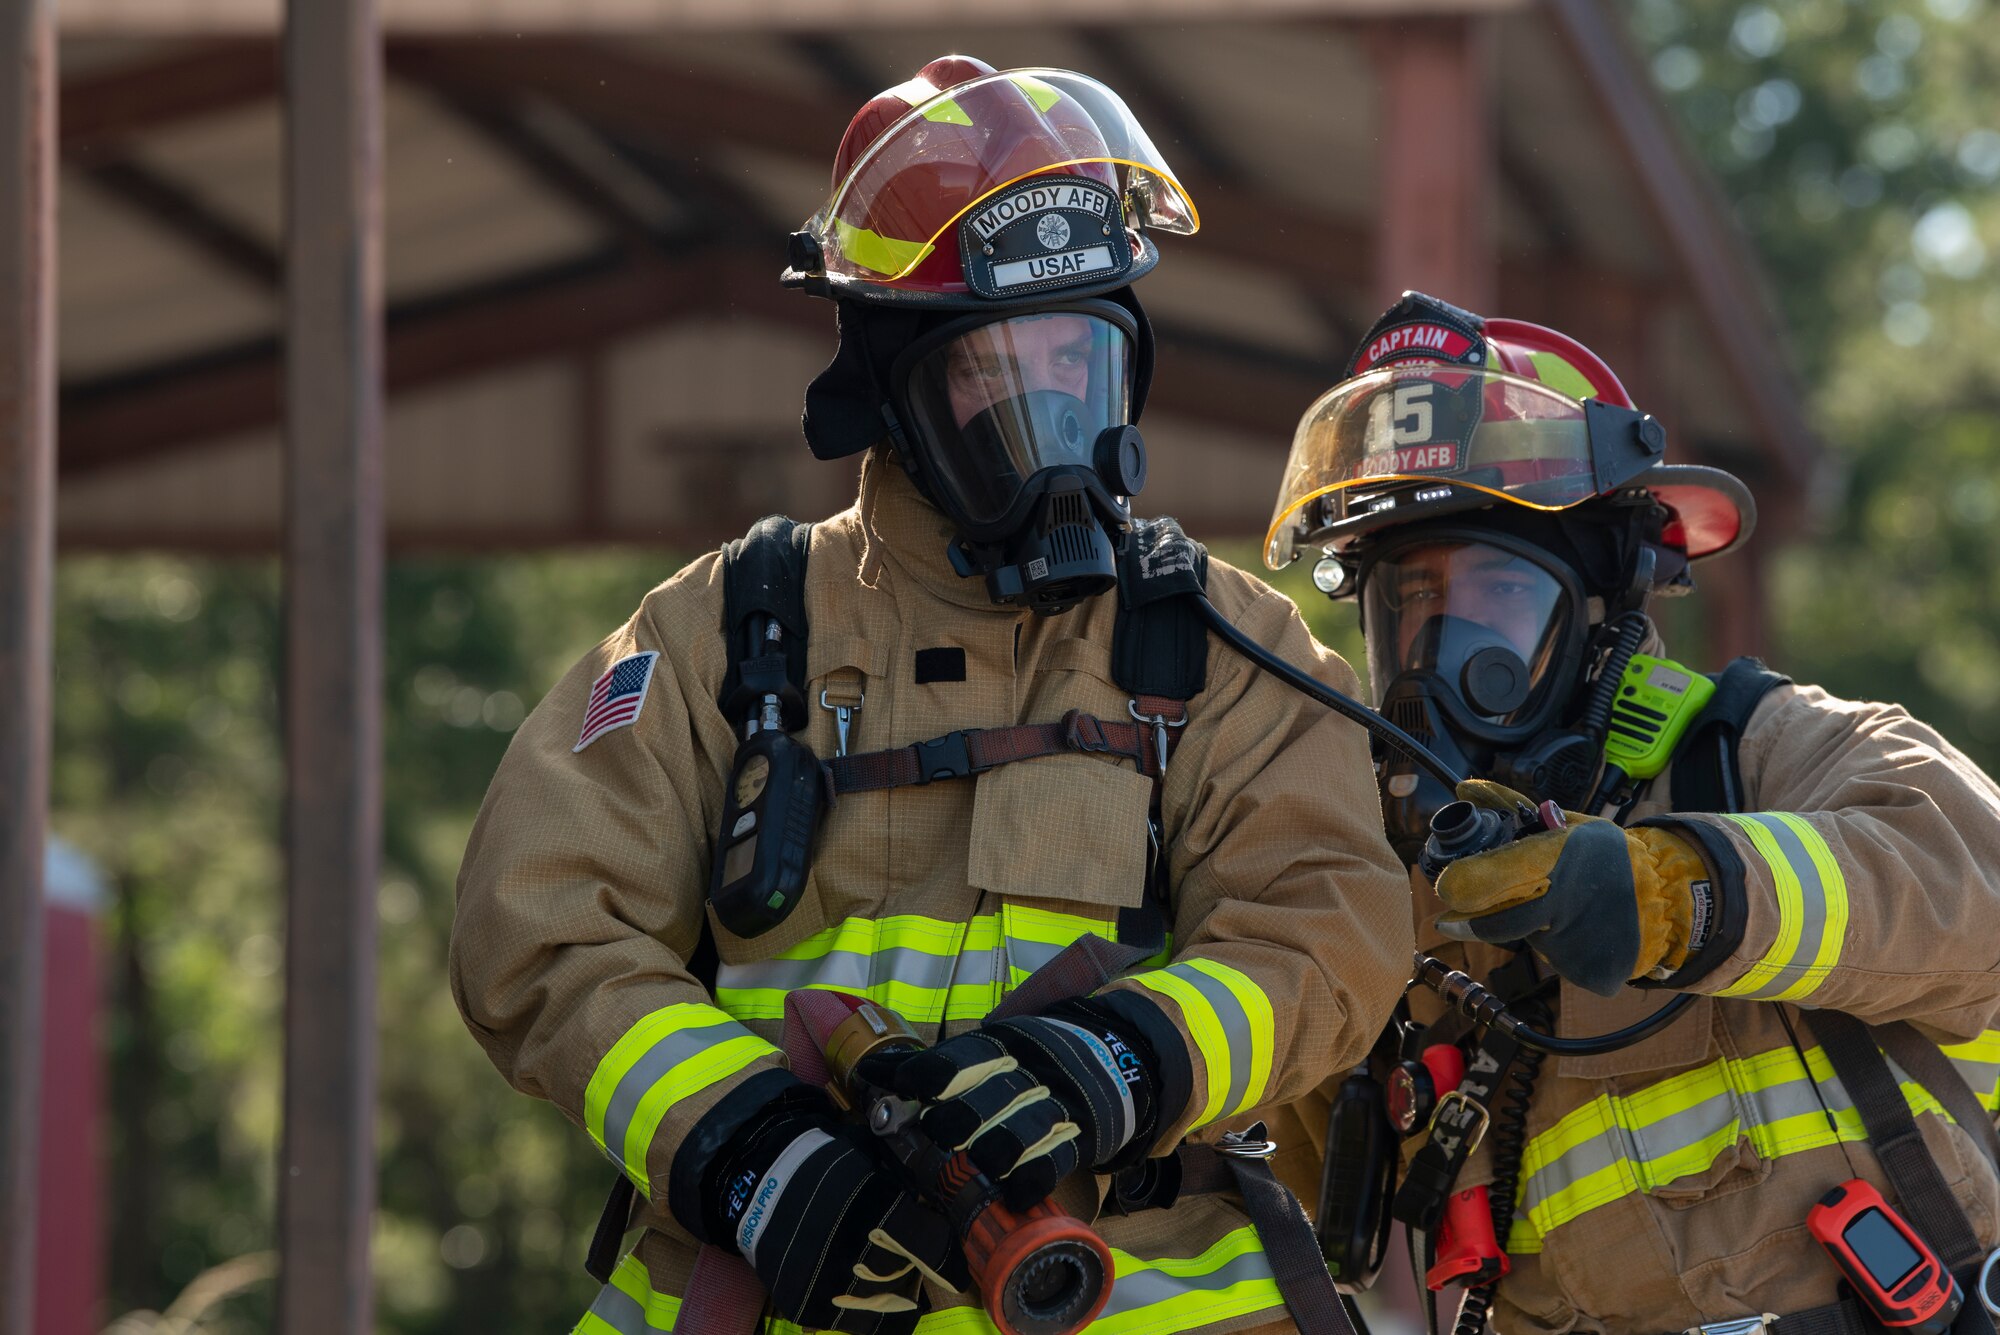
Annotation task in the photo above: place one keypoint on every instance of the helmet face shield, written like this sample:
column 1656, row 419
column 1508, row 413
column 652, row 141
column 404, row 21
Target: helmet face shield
column 1488, row 432
column 987, row 405
column 891, row 219
column 1487, row 622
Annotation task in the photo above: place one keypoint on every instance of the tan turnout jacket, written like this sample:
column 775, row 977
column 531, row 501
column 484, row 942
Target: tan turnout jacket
column 1667, row 1185
column 583, row 890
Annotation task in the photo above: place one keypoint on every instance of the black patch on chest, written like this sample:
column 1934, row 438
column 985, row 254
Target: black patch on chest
column 940, row 665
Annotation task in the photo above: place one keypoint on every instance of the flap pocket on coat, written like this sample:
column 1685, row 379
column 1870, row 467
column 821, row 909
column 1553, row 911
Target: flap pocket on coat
column 1061, row 827
column 807, row 917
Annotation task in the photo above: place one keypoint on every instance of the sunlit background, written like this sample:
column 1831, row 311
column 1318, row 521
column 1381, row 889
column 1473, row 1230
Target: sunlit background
column 552, row 470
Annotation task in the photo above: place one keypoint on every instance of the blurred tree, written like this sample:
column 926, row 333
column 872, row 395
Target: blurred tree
column 1861, row 147
column 168, row 772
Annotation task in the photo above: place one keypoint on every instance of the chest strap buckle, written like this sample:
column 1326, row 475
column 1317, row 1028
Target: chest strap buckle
column 946, row 757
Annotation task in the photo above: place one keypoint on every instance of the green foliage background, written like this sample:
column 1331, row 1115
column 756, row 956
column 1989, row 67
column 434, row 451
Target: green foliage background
column 1861, row 147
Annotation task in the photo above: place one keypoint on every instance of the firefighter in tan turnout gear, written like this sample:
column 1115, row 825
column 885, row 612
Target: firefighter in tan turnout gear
column 1022, row 756
column 1819, row 878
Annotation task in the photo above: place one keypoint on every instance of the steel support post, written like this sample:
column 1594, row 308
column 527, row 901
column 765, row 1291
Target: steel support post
column 27, row 545
column 1434, row 229
column 333, row 658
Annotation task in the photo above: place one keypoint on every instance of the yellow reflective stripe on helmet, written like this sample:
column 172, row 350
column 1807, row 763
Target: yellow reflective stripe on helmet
column 1555, row 371
column 629, row 1305
column 944, row 111
column 883, row 254
column 667, row 1056
column 1619, row 1145
column 1043, row 95
column 1231, row 1022
column 1812, row 908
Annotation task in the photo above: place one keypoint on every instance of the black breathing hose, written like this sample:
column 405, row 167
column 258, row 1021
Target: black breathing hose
column 1461, row 992
column 1345, row 706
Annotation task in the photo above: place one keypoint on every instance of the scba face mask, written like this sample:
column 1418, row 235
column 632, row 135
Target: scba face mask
column 1477, row 643
column 1019, row 428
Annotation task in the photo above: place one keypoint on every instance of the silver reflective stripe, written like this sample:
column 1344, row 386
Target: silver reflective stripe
column 652, row 1068
column 622, row 1312
column 1984, row 1077
column 1235, row 1028
column 1812, row 921
column 857, row 970
column 1031, row 955
column 1143, row 1288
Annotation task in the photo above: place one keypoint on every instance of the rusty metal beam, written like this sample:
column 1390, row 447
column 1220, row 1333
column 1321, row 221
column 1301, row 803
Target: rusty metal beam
column 171, row 206
column 1434, row 224
column 154, row 411
column 333, row 668
column 27, row 545
column 151, row 413
column 103, row 112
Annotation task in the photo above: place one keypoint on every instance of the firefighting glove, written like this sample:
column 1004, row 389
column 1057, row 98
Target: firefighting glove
column 1602, row 905
column 1032, row 1099
column 827, row 1221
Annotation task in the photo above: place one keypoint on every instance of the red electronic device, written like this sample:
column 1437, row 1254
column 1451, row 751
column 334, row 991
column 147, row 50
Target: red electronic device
column 1892, row 1271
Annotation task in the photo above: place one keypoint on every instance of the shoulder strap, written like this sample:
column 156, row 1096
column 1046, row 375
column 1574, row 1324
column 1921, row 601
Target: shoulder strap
column 1707, row 771
column 764, row 575
column 1159, row 647
column 1893, row 1135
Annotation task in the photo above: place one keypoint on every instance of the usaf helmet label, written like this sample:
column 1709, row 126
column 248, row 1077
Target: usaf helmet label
column 1044, row 233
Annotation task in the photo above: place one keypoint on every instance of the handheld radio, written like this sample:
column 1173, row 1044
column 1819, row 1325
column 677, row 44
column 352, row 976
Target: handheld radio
column 770, row 814
column 1656, row 701
column 1890, row 1269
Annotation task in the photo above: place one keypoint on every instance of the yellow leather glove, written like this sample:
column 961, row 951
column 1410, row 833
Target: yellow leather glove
column 1602, row 905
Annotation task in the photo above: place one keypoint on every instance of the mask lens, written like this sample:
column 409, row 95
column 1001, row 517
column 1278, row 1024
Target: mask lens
column 1439, row 607
column 1000, row 402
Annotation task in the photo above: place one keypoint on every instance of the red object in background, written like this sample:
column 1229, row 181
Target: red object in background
column 69, row 1258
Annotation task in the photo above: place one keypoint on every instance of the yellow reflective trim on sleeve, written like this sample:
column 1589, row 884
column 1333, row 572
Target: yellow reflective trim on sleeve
column 1812, row 908
column 946, row 112
column 1833, row 884
column 1230, row 1020
column 1043, row 95
column 1206, row 1030
column 883, row 254
column 668, row 1055
column 1263, row 1029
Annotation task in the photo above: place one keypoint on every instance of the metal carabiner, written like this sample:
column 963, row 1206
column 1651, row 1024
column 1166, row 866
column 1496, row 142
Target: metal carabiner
column 843, row 715
column 1252, row 1142
column 1160, row 724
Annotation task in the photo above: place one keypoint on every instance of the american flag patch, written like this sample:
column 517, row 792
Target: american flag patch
column 615, row 697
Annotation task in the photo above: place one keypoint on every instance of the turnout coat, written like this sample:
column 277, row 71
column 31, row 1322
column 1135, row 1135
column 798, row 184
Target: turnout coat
column 583, row 891
column 1667, row 1185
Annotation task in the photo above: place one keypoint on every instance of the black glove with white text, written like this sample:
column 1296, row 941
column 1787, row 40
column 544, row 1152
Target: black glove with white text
column 827, row 1221
column 1032, row 1099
